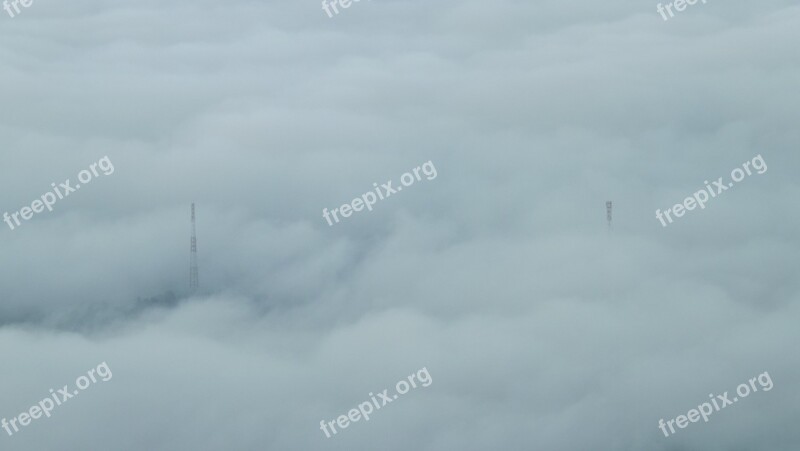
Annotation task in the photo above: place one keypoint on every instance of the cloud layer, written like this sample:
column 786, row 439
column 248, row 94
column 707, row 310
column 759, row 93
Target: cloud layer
column 540, row 328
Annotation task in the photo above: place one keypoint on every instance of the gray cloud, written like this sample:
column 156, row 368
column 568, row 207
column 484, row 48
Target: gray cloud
column 539, row 328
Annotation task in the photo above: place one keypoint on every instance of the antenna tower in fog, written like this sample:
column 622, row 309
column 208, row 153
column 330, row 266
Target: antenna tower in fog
column 194, row 283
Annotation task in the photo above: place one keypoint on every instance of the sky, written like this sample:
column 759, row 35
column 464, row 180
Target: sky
column 539, row 326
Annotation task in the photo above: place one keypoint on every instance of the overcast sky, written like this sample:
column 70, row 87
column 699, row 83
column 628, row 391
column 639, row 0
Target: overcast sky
column 539, row 327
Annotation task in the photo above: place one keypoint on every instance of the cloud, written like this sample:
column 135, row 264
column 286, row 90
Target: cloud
column 540, row 328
